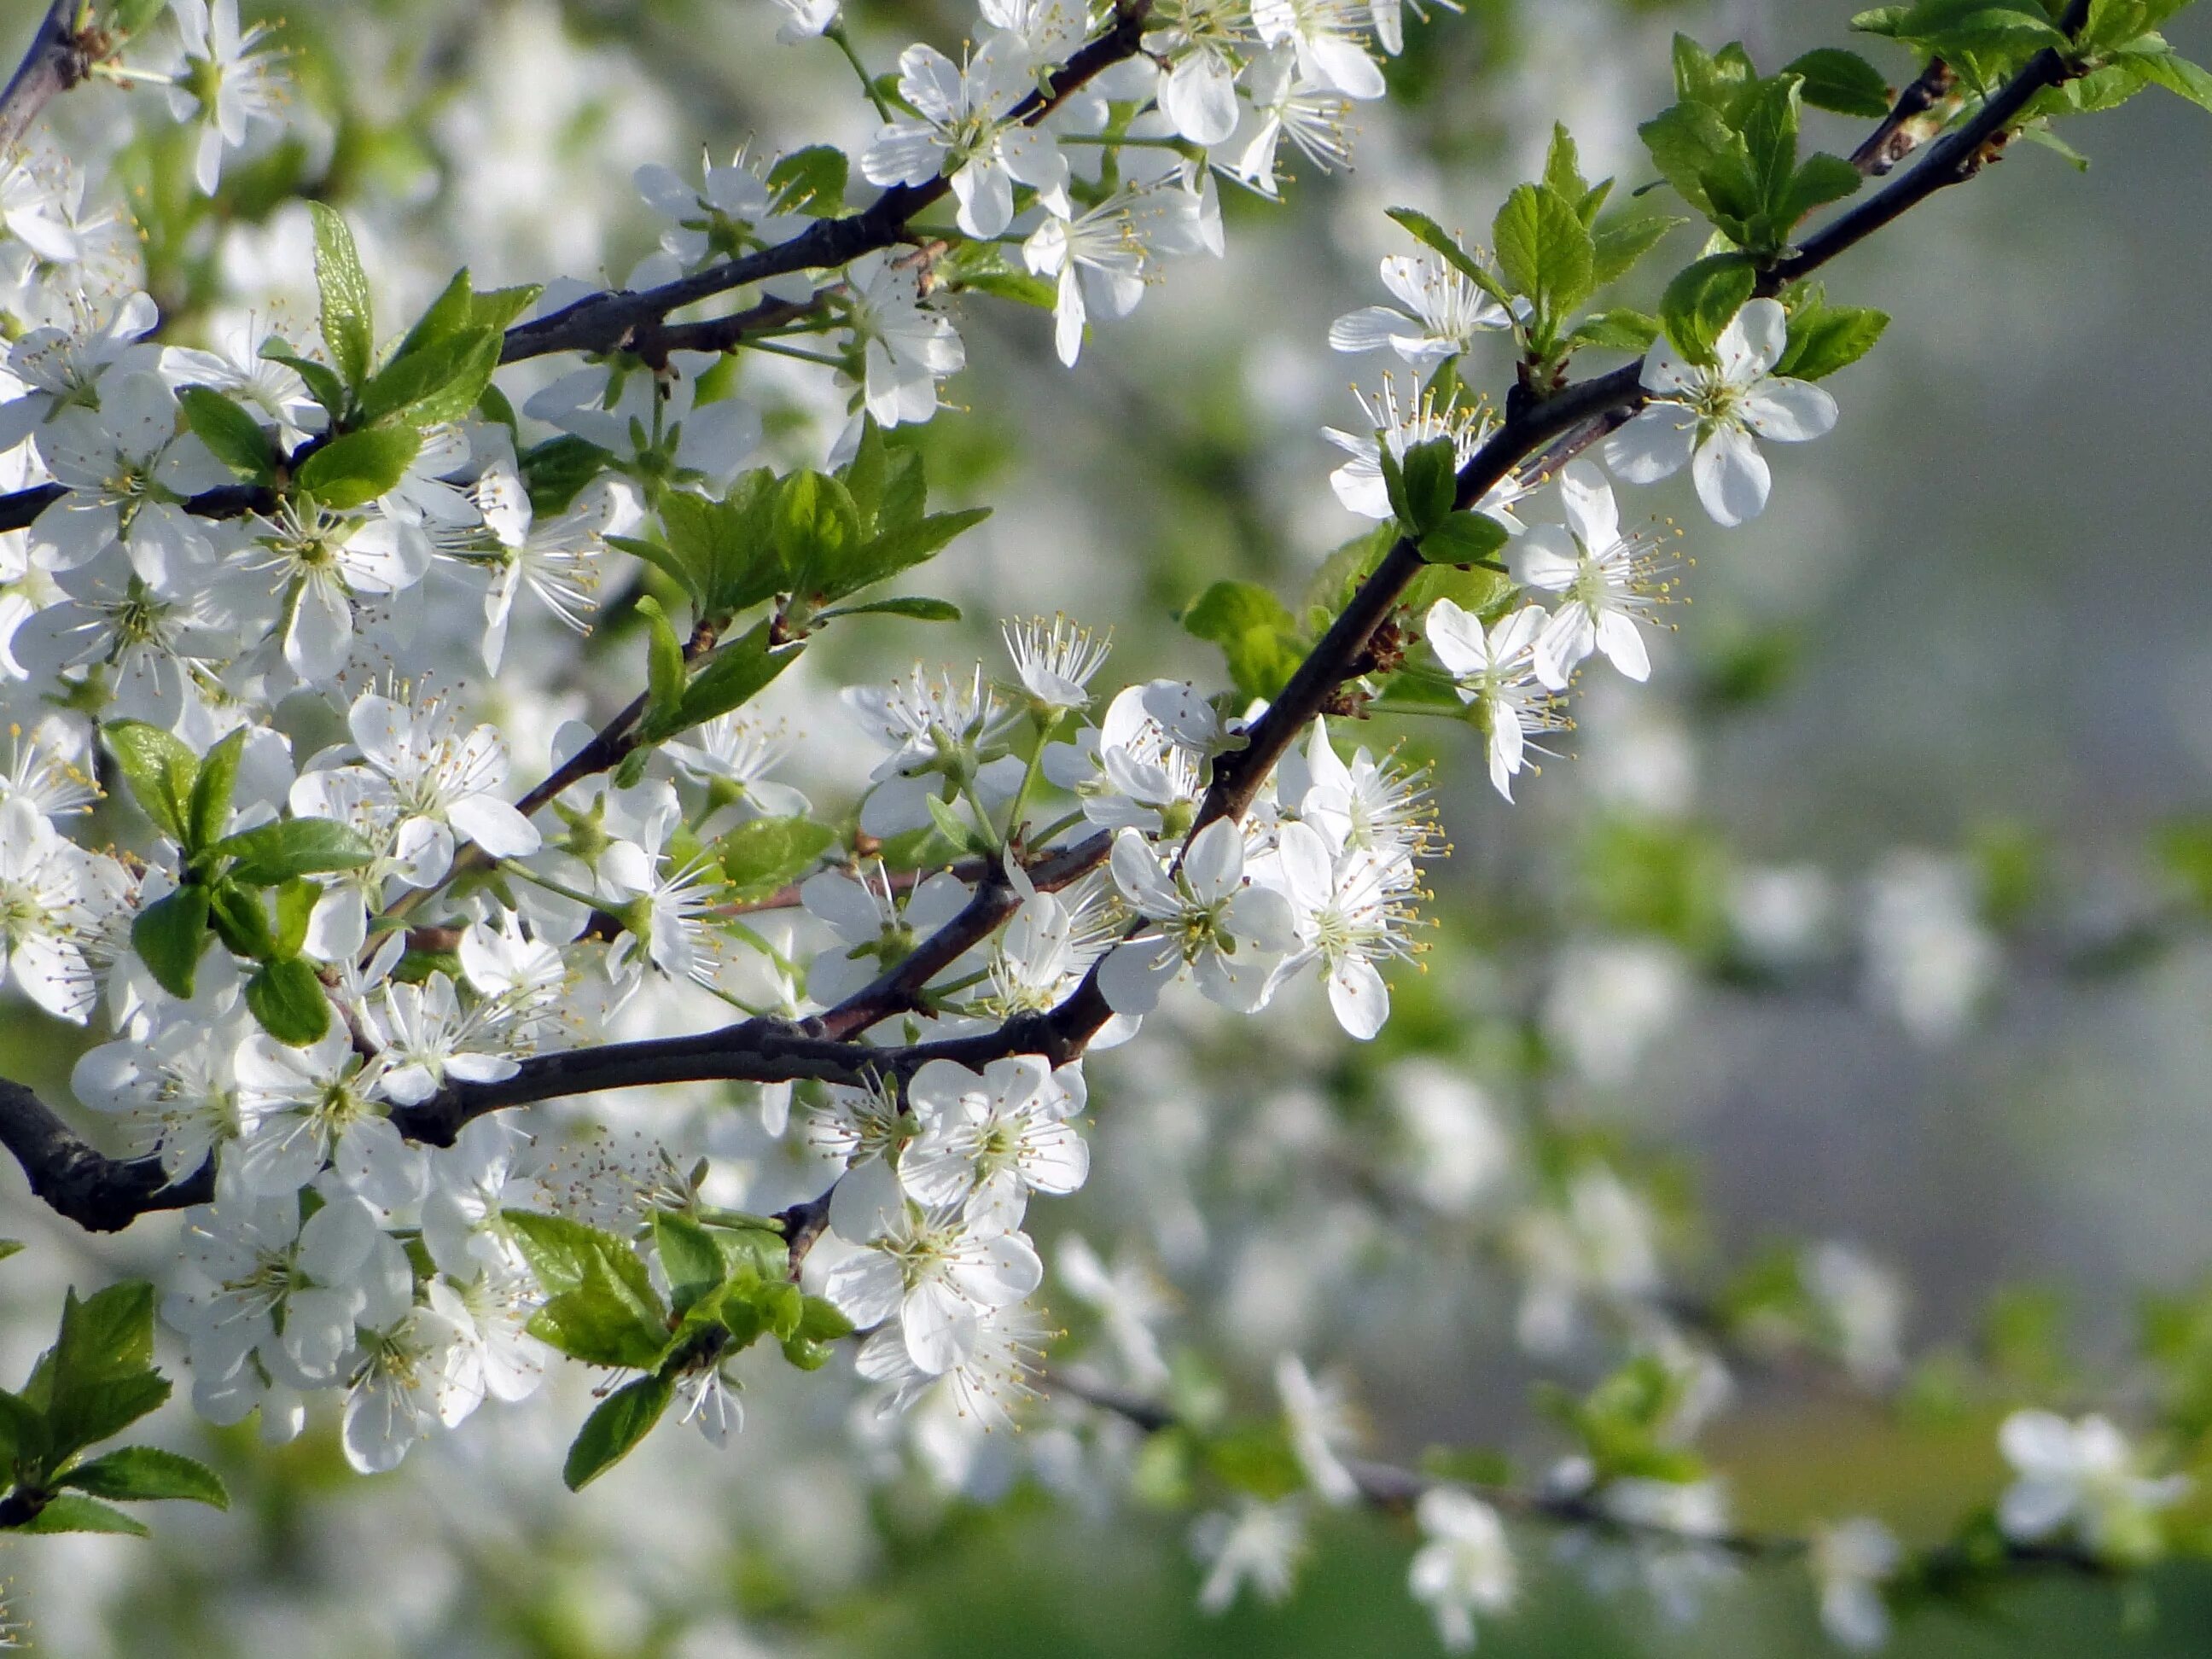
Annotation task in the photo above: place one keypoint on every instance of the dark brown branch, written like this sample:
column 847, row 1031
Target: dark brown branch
column 622, row 321
column 101, row 1194
column 772, row 1051
column 1918, row 115
column 58, row 59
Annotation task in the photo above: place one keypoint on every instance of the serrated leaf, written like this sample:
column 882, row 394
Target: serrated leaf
column 559, row 1248
column 1260, row 641
column 169, row 935
column 2179, row 76
column 240, row 922
column 615, row 1427
column 1617, row 329
column 208, row 812
column 134, row 1474
column 809, row 181
column 1842, row 82
column 1430, row 485
column 160, row 771
column 1829, row 339
column 734, row 676
column 1823, row 179
column 234, row 436
column 288, row 999
column 1464, row 538
column 354, row 470
column 665, row 671
column 1702, row 300
column 326, row 388
column 914, row 607
column 271, row 854
column 1615, row 249
column 84, row 1413
column 690, row 1259
column 1544, row 253
column 766, row 855
column 69, row 1513
column 1690, row 141
column 436, row 383
column 348, row 315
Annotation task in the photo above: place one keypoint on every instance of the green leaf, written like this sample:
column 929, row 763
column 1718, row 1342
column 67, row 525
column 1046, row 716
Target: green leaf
column 1823, row 179
column 665, row 671
column 766, row 855
column 1464, row 538
column 240, row 922
column 1256, row 634
column 169, row 935
column 1824, row 338
column 807, row 1346
column 603, row 1324
column 617, row 1425
column 1702, row 300
column 1616, row 249
column 329, row 391
column 817, row 529
column 1428, row 485
column 1617, row 329
column 1689, row 142
column 23, row 1436
column 555, row 470
column 235, row 436
column 1563, row 170
column 434, row 382
column 1721, row 81
column 2179, row 76
column 83, row 1414
column 126, row 18
column 109, row 1333
column 135, row 1474
column 288, row 999
column 735, row 675
column 914, row 607
column 955, row 828
column 901, row 548
column 1433, row 236
column 809, row 181
column 159, row 771
column 270, row 855
column 560, row 1249
column 208, row 812
column 1842, row 82
column 349, row 319
column 68, row 1513
column 689, row 1258
column 295, row 908
column 354, row 470
column 1544, row 253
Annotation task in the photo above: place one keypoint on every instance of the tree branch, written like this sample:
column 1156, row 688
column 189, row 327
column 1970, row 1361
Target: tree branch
column 102, row 1194
column 768, row 1051
column 58, row 59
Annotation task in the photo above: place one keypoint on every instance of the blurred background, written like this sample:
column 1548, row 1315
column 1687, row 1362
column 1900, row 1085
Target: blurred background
column 1878, row 920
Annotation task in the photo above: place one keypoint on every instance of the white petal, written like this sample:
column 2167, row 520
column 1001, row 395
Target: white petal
column 1731, row 475
column 1789, row 411
column 1655, row 445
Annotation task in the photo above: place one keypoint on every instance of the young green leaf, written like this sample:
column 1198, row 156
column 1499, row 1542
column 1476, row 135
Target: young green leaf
column 914, row 607
column 288, row 999
column 354, row 470
column 1544, row 253
column 235, row 436
column 1702, row 300
column 1842, row 82
column 1464, row 538
column 689, row 1258
column 349, row 319
column 272, row 853
column 1615, row 249
column 763, row 855
column 1824, row 338
column 69, row 1513
column 134, row 1474
column 1423, row 485
column 1434, row 237
column 809, row 181
column 617, row 1425
column 1256, row 634
column 735, row 675
column 665, row 671
column 169, row 935
column 1617, row 329
column 160, row 771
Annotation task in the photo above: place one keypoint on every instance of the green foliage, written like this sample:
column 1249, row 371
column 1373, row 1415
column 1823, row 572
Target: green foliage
column 1423, row 484
column 1701, row 301
column 1844, row 82
column 287, row 998
column 729, row 1286
column 189, row 799
column 1625, row 1423
column 349, row 319
column 760, row 857
column 353, row 469
column 1729, row 146
column 1261, row 642
column 809, row 181
column 234, row 436
column 1824, row 338
column 1464, row 538
column 1545, row 254
column 96, row 1381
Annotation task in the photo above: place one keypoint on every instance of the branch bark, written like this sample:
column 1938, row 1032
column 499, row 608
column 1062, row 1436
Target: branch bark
column 1546, row 433
column 57, row 59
